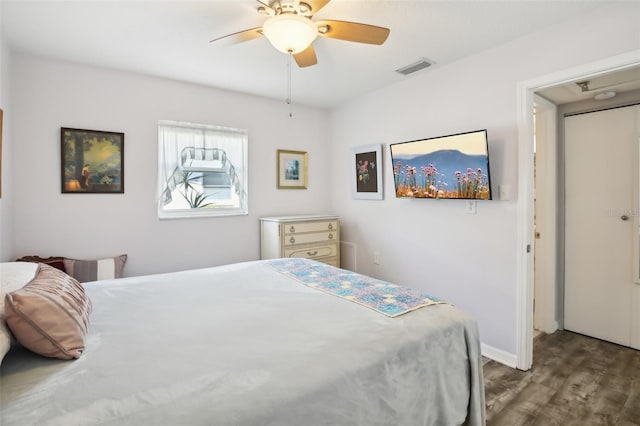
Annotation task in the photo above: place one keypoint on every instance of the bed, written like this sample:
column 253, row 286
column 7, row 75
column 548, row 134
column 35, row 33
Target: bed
column 254, row 343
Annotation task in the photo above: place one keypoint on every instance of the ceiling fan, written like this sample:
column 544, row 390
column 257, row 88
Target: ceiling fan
column 291, row 30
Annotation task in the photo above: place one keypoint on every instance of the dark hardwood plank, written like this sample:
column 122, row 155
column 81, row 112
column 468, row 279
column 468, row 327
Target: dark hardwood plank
column 524, row 408
column 575, row 380
column 631, row 410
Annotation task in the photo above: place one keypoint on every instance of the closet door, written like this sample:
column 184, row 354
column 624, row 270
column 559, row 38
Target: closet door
column 601, row 156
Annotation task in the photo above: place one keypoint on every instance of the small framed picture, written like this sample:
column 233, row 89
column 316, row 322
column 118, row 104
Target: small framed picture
column 292, row 169
column 366, row 172
column 92, row 161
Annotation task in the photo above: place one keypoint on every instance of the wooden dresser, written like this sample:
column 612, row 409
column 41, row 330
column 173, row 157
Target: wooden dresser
column 313, row 237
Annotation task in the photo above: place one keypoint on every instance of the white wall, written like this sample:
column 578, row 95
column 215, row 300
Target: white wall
column 469, row 260
column 6, row 202
column 433, row 245
column 48, row 95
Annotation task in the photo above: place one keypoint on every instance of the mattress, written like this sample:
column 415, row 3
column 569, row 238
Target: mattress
column 245, row 344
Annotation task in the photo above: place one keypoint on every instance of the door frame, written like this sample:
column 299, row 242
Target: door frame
column 546, row 220
column 525, row 230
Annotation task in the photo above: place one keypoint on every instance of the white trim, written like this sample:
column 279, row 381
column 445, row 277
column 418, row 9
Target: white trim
column 498, row 355
column 545, row 264
column 525, row 90
column 585, row 71
column 635, row 273
column 524, row 293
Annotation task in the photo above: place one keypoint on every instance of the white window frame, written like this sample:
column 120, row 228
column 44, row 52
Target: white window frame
column 197, row 142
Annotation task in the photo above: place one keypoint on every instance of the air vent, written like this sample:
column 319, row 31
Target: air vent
column 416, row 66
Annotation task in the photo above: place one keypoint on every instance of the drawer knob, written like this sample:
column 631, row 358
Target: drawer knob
column 331, row 226
column 292, row 240
column 312, row 253
column 331, row 236
column 292, row 229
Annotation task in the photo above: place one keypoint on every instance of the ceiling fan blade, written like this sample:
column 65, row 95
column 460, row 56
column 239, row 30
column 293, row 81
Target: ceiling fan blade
column 306, row 58
column 316, row 5
column 240, row 36
column 353, row 31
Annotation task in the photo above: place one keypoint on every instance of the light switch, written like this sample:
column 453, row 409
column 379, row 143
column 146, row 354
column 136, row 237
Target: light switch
column 505, row 192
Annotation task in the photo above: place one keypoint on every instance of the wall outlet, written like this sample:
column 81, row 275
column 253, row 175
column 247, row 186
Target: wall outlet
column 376, row 258
column 470, row 207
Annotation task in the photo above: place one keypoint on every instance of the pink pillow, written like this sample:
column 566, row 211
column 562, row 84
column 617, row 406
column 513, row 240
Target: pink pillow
column 50, row 315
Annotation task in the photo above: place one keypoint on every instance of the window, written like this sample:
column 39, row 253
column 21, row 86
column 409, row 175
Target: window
column 202, row 170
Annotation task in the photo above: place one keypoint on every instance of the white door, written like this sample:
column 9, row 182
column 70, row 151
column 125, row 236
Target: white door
column 601, row 156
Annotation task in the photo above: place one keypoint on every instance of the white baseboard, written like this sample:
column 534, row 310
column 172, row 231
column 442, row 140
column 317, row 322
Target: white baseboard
column 498, row 355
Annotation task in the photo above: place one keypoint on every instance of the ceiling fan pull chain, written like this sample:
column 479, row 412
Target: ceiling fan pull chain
column 289, row 84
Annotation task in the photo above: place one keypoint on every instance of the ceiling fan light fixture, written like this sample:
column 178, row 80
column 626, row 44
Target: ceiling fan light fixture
column 290, row 33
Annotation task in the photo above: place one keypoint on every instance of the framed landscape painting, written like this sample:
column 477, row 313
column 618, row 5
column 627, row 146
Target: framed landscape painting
column 292, row 169
column 366, row 172
column 92, row 161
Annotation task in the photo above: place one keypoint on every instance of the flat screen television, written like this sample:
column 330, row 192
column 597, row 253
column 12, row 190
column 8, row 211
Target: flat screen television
column 452, row 166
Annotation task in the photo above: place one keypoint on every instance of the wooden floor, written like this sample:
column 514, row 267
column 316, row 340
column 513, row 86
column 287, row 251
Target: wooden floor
column 575, row 380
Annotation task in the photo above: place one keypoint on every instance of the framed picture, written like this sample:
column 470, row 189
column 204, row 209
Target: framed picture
column 92, row 161
column 366, row 172
column 292, row 169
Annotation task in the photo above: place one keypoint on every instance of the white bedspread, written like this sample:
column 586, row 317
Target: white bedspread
column 245, row 345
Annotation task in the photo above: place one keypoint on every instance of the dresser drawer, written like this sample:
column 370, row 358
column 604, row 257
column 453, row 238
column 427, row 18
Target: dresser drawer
column 314, row 237
column 312, row 252
column 301, row 227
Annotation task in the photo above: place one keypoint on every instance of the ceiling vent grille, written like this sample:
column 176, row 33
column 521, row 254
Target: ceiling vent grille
column 421, row 64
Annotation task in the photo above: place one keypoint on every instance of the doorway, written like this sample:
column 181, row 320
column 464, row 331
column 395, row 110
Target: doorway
column 525, row 234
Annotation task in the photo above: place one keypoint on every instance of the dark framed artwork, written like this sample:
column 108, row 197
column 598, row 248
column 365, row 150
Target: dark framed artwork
column 92, row 161
column 292, row 169
column 366, row 172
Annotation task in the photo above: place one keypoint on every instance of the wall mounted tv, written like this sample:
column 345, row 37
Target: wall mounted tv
column 452, row 166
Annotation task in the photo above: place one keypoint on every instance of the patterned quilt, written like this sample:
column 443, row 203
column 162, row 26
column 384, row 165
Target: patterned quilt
column 386, row 298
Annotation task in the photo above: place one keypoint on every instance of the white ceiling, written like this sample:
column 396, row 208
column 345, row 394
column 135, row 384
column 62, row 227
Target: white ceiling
column 171, row 39
column 626, row 80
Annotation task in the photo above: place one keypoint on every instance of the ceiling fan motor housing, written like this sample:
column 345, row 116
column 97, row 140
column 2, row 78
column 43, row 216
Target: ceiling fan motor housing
column 277, row 7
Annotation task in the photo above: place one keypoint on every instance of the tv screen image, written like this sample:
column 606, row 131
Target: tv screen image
column 452, row 166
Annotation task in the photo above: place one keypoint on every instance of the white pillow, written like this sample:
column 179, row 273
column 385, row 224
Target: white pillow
column 13, row 276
